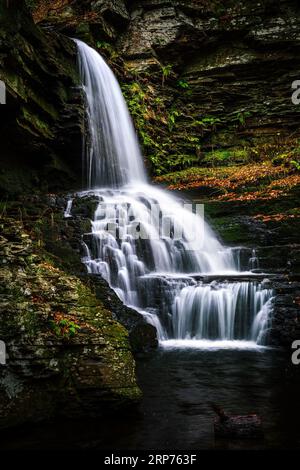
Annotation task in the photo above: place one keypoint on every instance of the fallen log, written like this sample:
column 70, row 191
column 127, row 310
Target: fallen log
column 237, row 426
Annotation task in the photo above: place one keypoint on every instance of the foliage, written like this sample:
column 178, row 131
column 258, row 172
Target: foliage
column 166, row 72
column 244, row 182
column 143, row 107
column 136, row 97
column 64, row 327
column 173, row 114
column 108, row 48
column 241, row 117
column 296, row 164
column 290, row 157
column 218, row 156
column 279, row 217
column 183, row 84
column 31, row 4
column 277, row 188
column 206, row 123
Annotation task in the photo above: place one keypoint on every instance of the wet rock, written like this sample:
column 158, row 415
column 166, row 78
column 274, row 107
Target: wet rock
column 62, row 238
column 237, row 426
column 43, row 115
column 84, row 207
column 66, row 355
column 285, row 327
column 102, row 19
column 142, row 335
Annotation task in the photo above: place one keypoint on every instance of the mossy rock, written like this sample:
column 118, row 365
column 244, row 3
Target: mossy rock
column 64, row 349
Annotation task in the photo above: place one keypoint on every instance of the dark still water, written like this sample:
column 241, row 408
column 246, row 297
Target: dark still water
column 175, row 413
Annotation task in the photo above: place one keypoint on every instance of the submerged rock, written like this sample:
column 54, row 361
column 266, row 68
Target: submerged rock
column 237, row 426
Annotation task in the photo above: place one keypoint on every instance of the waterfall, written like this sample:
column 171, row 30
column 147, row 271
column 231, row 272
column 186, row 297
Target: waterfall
column 112, row 156
column 150, row 246
column 235, row 311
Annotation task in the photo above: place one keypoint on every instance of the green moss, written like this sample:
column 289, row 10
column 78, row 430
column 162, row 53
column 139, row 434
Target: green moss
column 47, row 107
column 184, row 176
column 34, row 124
column 83, row 31
column 230, row 230
column 45, row 305
column 226, row 156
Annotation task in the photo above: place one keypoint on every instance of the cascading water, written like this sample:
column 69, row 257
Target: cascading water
column 112, row 155
column 233, row 311
column 148, row 246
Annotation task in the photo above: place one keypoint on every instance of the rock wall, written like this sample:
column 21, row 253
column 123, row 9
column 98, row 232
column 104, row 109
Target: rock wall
column 207, row 82
column 42, row 120
column 66, row 355
column 228, row 70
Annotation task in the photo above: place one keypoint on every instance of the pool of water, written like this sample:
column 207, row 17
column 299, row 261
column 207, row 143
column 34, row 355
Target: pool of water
column 178, row 386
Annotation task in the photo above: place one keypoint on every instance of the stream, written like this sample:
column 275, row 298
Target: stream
column 175, row 412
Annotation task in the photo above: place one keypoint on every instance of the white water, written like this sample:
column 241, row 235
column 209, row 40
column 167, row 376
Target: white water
column 113, row 156
column 211, row 345
column 68, row 209
column 236, row 311
column 147, row 245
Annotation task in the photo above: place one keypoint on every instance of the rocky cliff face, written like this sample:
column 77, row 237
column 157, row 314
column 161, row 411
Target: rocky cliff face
column 207, row 82
column 67, row 351
column 228, row 70
column 41, row 122
column 66, row 355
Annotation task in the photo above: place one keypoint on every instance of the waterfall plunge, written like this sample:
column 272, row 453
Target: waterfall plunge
column 113, row 156
column 152, row 269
